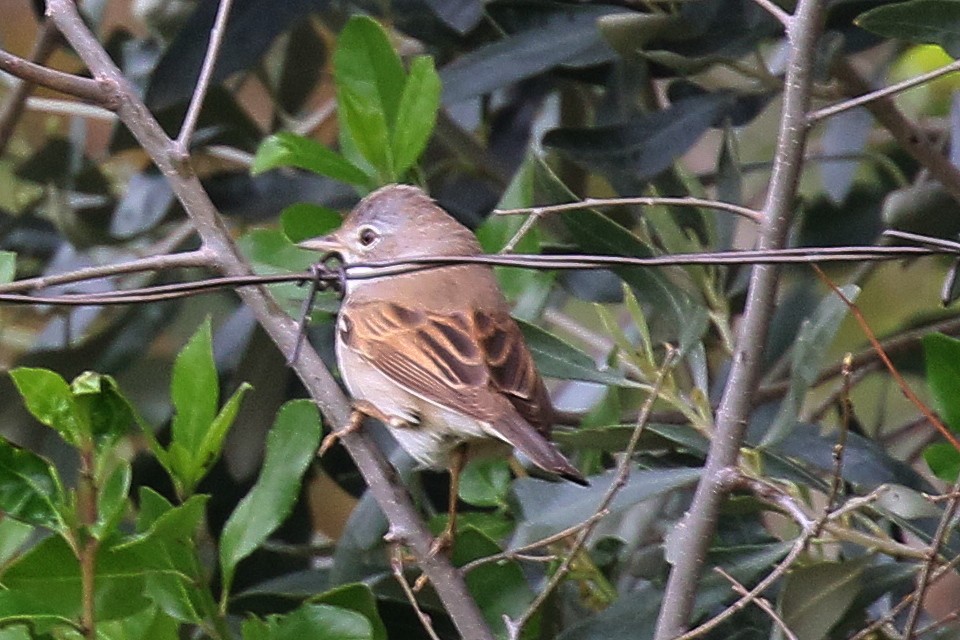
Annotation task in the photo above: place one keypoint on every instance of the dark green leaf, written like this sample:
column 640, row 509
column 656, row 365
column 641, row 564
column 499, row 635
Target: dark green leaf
column 484, row 483
column 644, row 146
column 30, row 489
column 550, row 507
column 416, row 114
column 108, row 413
column 290, row 150
column 919, row 21
column 499, row 589
column 816, row 597
column 49, row 400
column 941, row 354
column 359, row 598
column 558, row 359
column 305, row 220
column 561, row 36
column 112, row 501
column 322, row 622
column 291, row 447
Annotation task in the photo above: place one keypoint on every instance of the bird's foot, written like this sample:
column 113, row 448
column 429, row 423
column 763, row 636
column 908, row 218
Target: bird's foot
column 353, row 425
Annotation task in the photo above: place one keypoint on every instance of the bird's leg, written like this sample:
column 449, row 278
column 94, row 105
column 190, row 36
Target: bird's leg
column 361, row 409
column 458, row 460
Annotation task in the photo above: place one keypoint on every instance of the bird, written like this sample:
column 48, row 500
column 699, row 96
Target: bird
column 435, row 354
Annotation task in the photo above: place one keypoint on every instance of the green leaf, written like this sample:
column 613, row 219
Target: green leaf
column 322, row 622
column 359, row 598
column 195, row 390
column 500, row 589
column 370, row 79
column 816, row 333
column 8, row 266
column 212, row 443
column 105, row 409
column 290, row 150
column 919, row 21
column 558, row 359
column 816, row 597
column 305, row 220
column 30, row 489
column 485, row 483
column 416, row 115
column 119, row 580
column 13, row 535
column 941, row 355
column 49, row 400
column 112, row 501
column 943, row 459
column 291, row 447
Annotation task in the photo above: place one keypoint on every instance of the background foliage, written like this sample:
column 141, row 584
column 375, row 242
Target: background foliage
column 175, row 493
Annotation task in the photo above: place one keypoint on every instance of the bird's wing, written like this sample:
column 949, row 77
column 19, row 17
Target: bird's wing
column 475, row 363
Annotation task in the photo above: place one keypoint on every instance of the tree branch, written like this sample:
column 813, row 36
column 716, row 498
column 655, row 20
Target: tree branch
column 393, row 500
column 83, row 88
column 695, row 531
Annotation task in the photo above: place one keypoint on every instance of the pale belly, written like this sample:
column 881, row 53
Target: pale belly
column 434, row 431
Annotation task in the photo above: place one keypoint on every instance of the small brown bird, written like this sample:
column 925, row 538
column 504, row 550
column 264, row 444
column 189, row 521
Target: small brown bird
column 435, row 354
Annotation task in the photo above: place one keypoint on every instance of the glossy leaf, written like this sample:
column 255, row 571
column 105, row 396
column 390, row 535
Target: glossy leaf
column 416, row 114
column 484, row 483
column 941, row 354
column 48, row 398
column 290, row 150
column 30, row 488
column 194, row 390
column 291, row 446
column 919, row 21
column 370, row 81
column 112, row 501
column 305, row 220
column 358, row 598
column 321, row 622
column 103, row 407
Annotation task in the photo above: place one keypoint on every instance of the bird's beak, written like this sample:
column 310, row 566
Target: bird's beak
column 322, row 243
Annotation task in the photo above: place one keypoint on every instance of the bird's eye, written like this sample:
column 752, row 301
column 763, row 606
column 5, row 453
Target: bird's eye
column 368, row 236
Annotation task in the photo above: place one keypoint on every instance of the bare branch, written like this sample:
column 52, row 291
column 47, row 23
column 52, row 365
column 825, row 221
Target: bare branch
column 83, row 88
column 913, row 140
column 182, row 143
column 697, row 527
column 893, row 89
column 763, row 603
column 770, row 7
column 750, row 214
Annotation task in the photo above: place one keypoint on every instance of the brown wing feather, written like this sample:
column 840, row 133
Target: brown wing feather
column 471, row 363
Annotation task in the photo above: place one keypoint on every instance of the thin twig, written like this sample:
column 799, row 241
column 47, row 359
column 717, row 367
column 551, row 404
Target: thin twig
column 868, row 631
column 396, row 566
column 904, row 387
column 763, row 603
column 520, row 552
column 913, row 140
column 933, row 552
column 770, row 7
column 198, row 258
column 750, row 214
column 840, row 107
column 836, row 478
column 182, row 143
column 83, row 88
column 515, row 627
